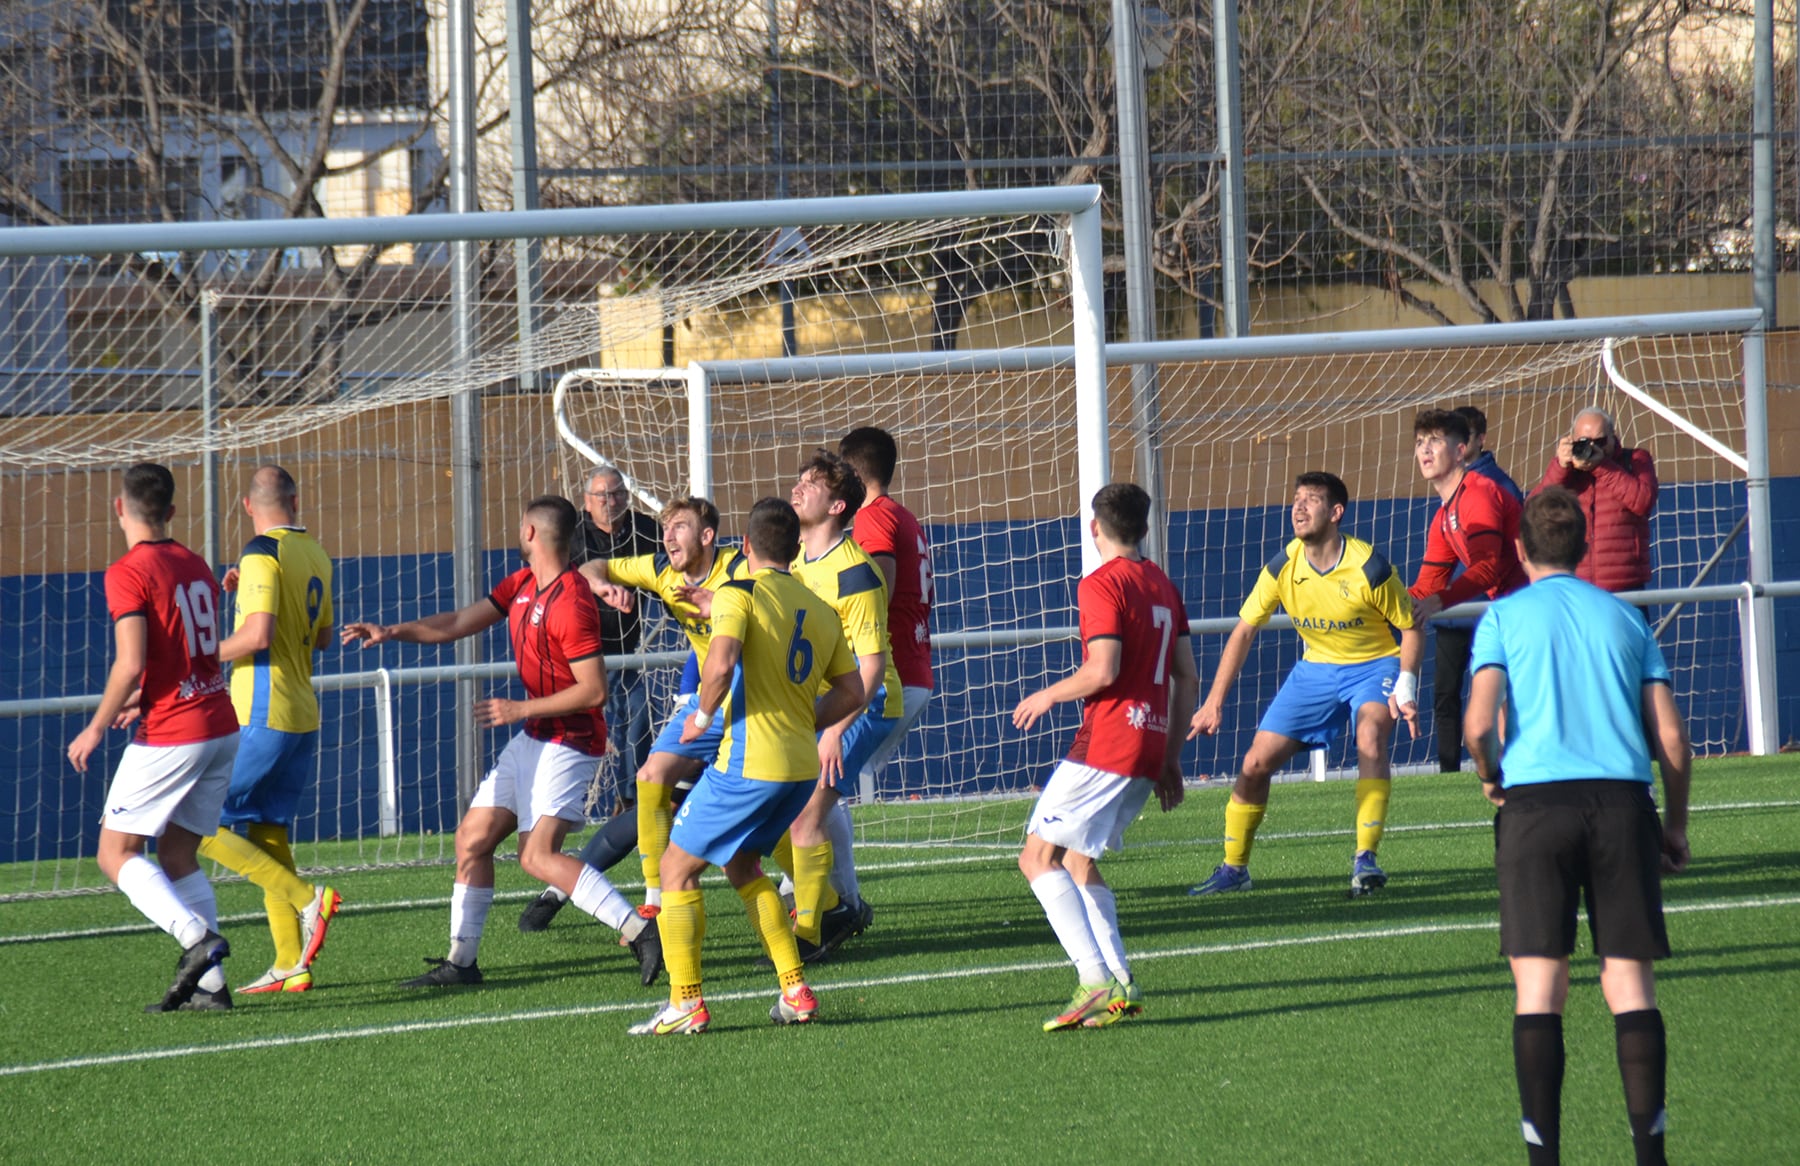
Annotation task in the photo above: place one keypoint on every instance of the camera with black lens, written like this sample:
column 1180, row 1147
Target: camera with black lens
column 1587, row 449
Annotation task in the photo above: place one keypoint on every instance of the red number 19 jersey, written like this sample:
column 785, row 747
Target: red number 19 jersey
column 1125, row 726
column 184, row 693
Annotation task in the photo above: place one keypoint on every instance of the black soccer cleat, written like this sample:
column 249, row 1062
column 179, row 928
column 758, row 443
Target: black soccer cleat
column 539, row 912
column 444, row 974
column 865, row 915
column 203, row 1001
column 839, row 924
column 196, row 958
column 648, row 949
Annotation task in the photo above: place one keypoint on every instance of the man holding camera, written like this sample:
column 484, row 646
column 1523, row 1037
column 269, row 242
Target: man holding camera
column 1616, row 488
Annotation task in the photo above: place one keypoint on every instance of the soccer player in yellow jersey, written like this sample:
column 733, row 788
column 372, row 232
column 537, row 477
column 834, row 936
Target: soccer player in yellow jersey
column 283, row 585
column 1346, row 601
column 691, row 558
column 827, row 496
column 774, row 646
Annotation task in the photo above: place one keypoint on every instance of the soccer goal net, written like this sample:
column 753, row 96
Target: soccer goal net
column 347, row 351
column 988, row 457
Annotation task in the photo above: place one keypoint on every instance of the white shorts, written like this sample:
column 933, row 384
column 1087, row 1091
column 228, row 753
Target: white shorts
column 913, row 702
column 157, row 786
column 537, row 779
column 1086, row 809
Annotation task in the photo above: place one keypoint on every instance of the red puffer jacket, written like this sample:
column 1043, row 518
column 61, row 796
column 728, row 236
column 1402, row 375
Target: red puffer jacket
column 1617, row 497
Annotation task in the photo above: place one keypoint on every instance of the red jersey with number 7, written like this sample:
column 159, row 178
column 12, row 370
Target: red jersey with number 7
column 185, row 698
column 1125, row 726
column 550, row 629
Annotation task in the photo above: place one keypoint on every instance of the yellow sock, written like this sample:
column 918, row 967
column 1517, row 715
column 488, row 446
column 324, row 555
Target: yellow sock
column 1241, row 821
column 284, row 929
column 813, row 895
column 655, row 817
column 770, row 923
column 683, row 924
column 1371, row 811
column 284, row 915
column 236, row 853
column 784, row 854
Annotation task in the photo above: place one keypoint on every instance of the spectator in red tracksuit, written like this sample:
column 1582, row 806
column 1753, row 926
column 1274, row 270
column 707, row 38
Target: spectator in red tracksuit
column 1617, row 491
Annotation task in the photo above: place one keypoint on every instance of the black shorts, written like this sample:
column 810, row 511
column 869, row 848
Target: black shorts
column 1559, row 841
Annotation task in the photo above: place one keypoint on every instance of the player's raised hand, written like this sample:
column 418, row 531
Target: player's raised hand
column 230, row 581
column 699, row 597
column 1204, row 723
column 1424, row 609
column 367, row 633
column 1031, row 708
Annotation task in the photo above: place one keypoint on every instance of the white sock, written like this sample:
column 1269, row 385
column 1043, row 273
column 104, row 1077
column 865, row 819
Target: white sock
column 468, row 917
column 1103, row 921
column 597, row 897
column 842, row 833
column 150, row 891
column 213, row 979
column 1067, row 912
column 196, row 895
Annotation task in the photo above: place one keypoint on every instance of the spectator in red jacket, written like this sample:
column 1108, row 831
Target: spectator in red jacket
column 1617, row 490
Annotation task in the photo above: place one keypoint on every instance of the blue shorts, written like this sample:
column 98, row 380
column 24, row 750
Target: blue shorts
column 727, row 815
column 704, row 748
column 1314, row 699
column 270, row 774
column 865, row 735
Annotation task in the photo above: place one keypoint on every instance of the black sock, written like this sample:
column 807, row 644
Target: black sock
column 1538, row 1061
column 1643, row 1061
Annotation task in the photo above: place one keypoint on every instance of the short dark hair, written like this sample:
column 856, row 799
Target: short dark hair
column 701, row 508
column 1448, row 422
column 1336, row 492
column 1475, row 417
column 840, row 477
column 1123, row 509
column 873, row 453
column 773, row 530
column 149, row 492
column 1553, row 529
column 555, row 518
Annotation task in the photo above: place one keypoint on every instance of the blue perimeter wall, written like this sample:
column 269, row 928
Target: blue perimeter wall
column 55, row 640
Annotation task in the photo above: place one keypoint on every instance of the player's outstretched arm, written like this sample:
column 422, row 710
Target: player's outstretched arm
column 1666, row 731
column 1184, row 691
column 1206, row 718
column 131, row 639
column 442, row 628
column 1097, row 672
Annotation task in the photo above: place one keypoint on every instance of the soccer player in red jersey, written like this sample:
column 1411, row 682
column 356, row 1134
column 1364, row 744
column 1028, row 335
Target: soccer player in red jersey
column 1477, row 526
column 539, row 783
column 172, row 780
column 891, row 535
column 1137, row 679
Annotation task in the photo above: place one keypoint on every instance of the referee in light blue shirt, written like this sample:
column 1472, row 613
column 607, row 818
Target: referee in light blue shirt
column 1587, row 702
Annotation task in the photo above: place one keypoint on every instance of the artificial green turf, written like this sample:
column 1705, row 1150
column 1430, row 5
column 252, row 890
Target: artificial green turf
column 1282, row 1025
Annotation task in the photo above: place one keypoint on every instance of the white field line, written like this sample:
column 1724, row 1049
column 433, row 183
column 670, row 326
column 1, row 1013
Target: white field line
column 279, row 1042
column 984, row 852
